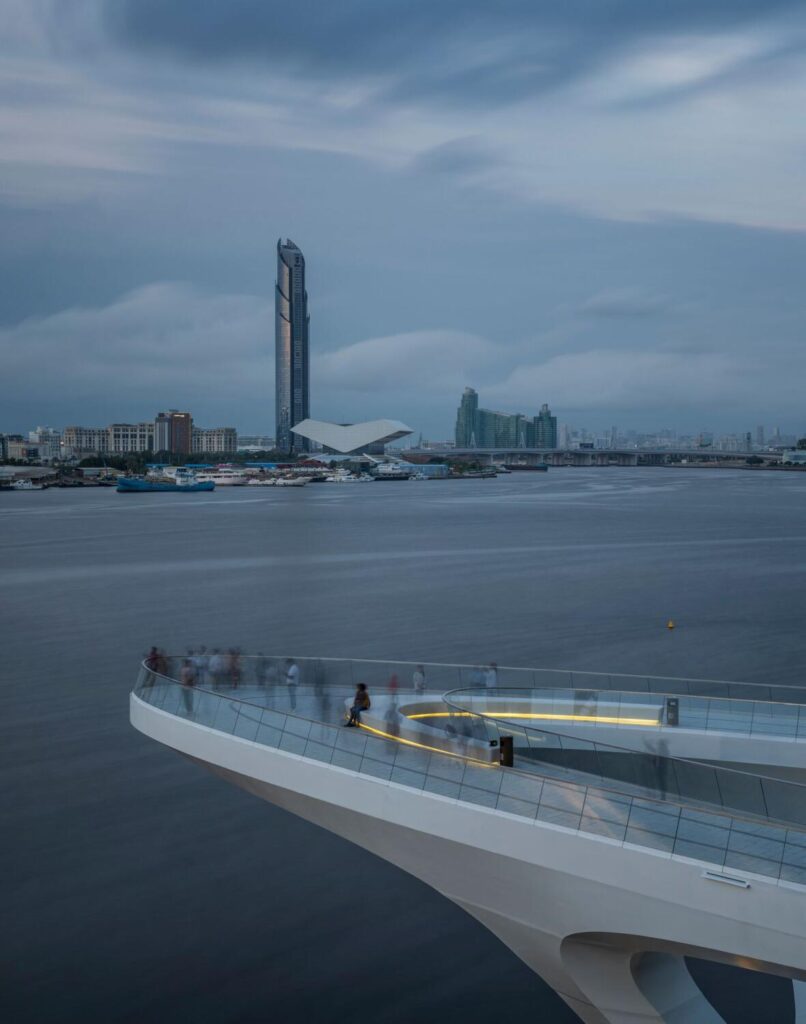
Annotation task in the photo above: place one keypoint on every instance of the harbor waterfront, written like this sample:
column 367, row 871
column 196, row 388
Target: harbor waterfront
column 148, row 890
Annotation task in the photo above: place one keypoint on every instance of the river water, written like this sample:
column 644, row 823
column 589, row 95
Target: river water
column 140, row 888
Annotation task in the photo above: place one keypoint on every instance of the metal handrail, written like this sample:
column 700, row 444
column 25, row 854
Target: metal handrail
column 720, row 810
column 717, row 770
column 569, row 671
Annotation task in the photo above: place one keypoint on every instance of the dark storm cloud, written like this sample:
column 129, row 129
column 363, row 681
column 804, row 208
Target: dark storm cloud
column 469, row 50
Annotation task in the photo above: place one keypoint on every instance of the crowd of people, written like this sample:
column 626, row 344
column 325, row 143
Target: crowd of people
column 221, row 669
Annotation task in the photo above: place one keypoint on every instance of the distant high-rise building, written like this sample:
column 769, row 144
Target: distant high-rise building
column 467, row 419
column 173, row 432
column 485, row 428
column 291, row 324
column 760, row 436
column 545, row 426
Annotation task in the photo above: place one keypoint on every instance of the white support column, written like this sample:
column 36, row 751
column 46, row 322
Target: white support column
column 633, row 988
column 665, row 980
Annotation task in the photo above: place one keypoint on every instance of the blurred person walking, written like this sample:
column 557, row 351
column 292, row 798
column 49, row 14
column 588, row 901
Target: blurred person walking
column 187, row 677
column 292, row 681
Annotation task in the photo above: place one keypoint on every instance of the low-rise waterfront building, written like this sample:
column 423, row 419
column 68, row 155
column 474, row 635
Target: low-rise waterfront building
column 80, row 441
column 127, row 438
column 218, row 440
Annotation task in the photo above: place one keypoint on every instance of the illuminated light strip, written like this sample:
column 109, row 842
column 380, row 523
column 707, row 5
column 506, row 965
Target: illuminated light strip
column 423, row 746
column 502, row 715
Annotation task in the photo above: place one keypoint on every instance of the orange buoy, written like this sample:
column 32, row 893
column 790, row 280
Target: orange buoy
column 670, row 624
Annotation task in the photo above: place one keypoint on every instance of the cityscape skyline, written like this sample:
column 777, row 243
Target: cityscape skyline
column 676, row 303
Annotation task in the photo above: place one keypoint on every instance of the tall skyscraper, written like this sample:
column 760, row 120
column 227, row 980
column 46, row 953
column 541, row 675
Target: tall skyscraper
column 467, row 419
column 290, row 347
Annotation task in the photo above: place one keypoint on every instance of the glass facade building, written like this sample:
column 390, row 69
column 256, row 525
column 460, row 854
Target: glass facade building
column 291, row 323
column 545, row 429
column 484, row 428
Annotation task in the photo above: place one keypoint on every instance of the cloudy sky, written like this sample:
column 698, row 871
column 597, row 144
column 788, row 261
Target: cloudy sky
column 595, row 203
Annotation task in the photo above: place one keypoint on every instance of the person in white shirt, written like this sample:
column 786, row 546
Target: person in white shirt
column 491, row 676
column 292, row 681
column 418, row 679
column 200, row 661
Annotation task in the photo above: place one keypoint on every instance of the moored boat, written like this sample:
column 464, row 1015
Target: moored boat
column 26, row 485
column 184, row 480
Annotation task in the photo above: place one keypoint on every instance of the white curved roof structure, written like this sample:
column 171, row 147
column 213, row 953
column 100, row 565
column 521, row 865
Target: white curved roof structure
column 350, row 438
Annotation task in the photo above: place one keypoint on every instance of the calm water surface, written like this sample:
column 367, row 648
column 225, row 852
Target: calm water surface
column 139, row 888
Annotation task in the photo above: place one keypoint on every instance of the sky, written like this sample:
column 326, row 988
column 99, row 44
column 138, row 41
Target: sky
column 597, row 204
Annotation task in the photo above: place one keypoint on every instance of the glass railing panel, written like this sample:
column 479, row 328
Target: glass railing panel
column 739, row 792
column 172, row 699
column 690, row 781
column 513, row 805
column 488, row 779
column 451, row 769
column 702, row 836
column 757, row 846
column 227, row 715
column 318, row 751
column 292, row 743
column 746, row 862
column 298, row 726
column 628, row 684
column 413, row 759
column 205, row 707
column 377, row 769
column 268, row 731
column 482, row 797
column 271, row 716
column 775, row 720
column 185, row 707
column 156, row 692
column 352, row 740
column 521, row 787
column 607, row 807
column 379, row 749
column 653, row 684
column 346, row 759
column 441, row 786
column 652, row 825
column 637, row 836
column 564, row 796
column 793, row 867
column 552, row 679
column 248, row 722
column 322, row 733
column 784, row 801
column 407, row 776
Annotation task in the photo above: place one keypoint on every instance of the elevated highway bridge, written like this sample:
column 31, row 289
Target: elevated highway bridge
column 593, row 456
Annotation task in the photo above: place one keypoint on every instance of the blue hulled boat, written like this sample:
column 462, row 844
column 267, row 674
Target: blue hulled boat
column 184, row 480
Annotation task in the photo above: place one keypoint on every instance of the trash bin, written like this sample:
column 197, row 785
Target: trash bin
column 673, row 711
